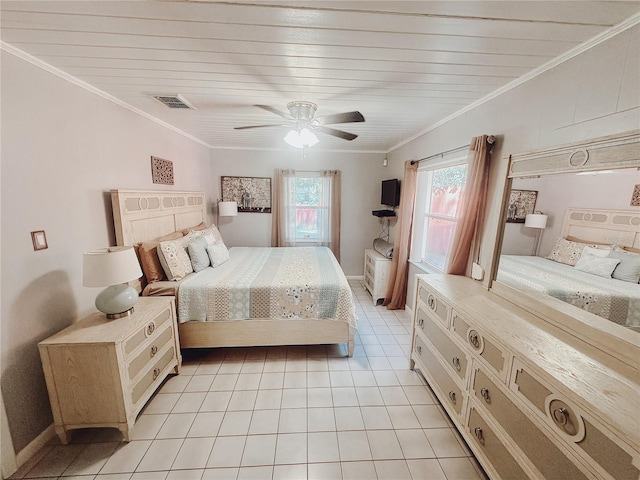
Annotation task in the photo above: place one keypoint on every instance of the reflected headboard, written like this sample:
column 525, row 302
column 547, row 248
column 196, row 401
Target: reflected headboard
column 619, row 227
column 140, row 216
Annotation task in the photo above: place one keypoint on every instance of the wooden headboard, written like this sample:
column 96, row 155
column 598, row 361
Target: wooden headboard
column 140, row 216
column 619, row 227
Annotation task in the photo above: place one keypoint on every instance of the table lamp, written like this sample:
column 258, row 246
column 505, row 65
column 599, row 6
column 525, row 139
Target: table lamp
column 536, row 220
column 112, row 267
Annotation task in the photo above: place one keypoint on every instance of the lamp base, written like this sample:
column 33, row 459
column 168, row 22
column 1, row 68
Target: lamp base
column 117, row 301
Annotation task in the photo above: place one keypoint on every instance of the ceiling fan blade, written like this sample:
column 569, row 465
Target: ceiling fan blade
column 275, row 110
column 336, row 133
column 257, row 126
column 346, row 117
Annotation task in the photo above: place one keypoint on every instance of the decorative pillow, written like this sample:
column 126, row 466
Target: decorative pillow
column 628, row 269
column 597, row 252
column 198, row 254
column 567, row 252
column 210, row 232
column 149, row 261
column 218, row 253
column 202, row 226
column 603, row 267
column 175, row 259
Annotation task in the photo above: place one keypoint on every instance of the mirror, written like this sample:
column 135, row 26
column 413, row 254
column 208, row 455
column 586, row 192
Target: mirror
column 593, row 205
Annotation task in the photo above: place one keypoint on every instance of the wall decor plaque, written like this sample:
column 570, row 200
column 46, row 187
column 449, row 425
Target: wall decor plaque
column 162, row 171
column 252, row 194
column 521, row 203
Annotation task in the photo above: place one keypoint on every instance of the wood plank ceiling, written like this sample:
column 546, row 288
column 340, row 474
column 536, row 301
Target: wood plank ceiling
column 404, row 64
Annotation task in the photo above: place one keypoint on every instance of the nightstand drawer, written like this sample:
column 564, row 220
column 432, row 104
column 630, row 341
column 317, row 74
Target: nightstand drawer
column 150, row 329
column 450, row 393
column 453, row 355
column 480, row 345
column 534, row 443
column 153, row 374
column 153, row 347
column 489, row 444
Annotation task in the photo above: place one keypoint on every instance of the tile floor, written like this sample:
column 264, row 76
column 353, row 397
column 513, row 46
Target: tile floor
column 281, row 413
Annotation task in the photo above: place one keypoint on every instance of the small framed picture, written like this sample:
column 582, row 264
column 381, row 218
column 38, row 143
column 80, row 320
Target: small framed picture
column 521, row 202
column 39, row 240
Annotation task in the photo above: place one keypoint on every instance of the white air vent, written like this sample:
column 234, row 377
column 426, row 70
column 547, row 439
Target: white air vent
column 174, row 101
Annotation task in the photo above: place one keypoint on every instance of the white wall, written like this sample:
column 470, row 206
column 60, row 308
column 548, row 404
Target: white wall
column 361, row 177
column 591, row 95
column 63, row 149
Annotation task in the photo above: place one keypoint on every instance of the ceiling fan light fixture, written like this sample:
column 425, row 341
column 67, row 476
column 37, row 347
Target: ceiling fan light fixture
column 301, row 139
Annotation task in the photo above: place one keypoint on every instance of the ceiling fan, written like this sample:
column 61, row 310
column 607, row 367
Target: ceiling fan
column 303, row 122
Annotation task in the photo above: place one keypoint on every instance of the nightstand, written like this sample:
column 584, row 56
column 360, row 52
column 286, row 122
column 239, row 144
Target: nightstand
column 101, row 373
column 376, row 274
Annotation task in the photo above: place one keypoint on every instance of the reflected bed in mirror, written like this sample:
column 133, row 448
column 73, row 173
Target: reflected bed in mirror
column 584, row 209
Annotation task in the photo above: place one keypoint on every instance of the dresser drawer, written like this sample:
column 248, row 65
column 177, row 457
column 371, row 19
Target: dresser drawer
column 453, row 355
column 480, row 345
column 148, row 352
column 489, row 444
column 577, row 427
column 148, row 330
column 153, row 374
column 533, row 442
column 434, row 304
column 450, row 394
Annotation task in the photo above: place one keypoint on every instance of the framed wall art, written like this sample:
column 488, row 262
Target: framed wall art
column 635, row 196
column 252, row 194
column 39, row 240
column 162, row 171
column 521, row 202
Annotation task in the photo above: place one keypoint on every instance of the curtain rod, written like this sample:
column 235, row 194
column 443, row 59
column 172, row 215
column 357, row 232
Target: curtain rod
column 490, row 140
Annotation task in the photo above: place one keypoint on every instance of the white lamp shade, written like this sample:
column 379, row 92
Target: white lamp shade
column 227, row 209
column 535, row 220
column 303, row 138
column 110, row 266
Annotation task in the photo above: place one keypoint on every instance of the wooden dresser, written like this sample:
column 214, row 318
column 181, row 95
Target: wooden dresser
column 101, row 373
column 529, row 401
column 376, row 274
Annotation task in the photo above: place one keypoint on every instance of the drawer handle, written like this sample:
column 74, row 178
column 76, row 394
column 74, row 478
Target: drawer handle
column 431, row 302
column 419, row 350
column 484, row 392
column 479, row 436
column 156, row 373
column 421, row 323
column 473, row 339
column 452, row 396
column 151, row 328
column 154, row 350
column 560, row 416
column 456, row 363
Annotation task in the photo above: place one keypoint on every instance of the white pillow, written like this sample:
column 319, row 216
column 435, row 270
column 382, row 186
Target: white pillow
column 218, row 253
column 598, row 252
column 629, row 268
column 174, row 257
column 603, row 267
column 198, row 254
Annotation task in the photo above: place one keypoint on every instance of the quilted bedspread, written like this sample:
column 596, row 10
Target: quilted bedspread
column 612, row 299
column 264, row 282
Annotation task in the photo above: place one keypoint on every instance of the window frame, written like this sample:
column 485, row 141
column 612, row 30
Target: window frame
column 322, row 208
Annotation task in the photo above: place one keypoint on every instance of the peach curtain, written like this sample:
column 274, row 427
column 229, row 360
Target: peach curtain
column 396, row 296
column 471, row 206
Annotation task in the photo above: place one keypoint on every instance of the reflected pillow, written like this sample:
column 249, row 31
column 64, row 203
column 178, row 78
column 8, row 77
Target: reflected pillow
column 628, row 270
column 174, row 257
column 603, row 267
column 598, row 252
column 586, row 242
column 567, row 252
column 198, row 254
column 218, row 253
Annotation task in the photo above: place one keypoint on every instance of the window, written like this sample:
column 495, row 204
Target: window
column 439, row 193
column 308, row 205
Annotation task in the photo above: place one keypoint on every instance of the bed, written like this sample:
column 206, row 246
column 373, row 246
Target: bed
column 298, row 296
column 610, row 298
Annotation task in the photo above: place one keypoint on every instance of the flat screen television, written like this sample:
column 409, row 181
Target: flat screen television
column 390, row 193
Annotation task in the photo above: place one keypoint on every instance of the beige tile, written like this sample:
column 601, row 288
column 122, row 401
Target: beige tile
column 384, row 445
column 379, row 363
column 294, row 397
column 235, row 423
column 459, row 469
column 316, row 364
column 290, row 472
column 321, row 419
column 189, row 402
column 259, row 450
column 176, row 426
column 426, row 469
column 402, row 417
column 194, row 453
column 208, row 368
column 147, row 427
column 392, row 470
column 322, row 447
column 162, row 403
column 293, row 420
column 348, row 418
column 359, row 471
column 295, row 379
column 318, row 379
column 394, row 395
column 216, row 401
column 363, row 379
column 354, row 446
column 264, row 421
column 319, row 397
column 248, row 381
column 252, row 367
column 274, row 365
column 206, row 424
column 255, row 473
column 193, row 474
column 242, row 400
column 369, row 396
column 344, row 397
column 414, row 444
column 418, row 395
column 112, row 476
column 220, row 474
column 324, row 471
column 126, row 457
column 91, row 459
column 175, row 384
column 376, row 418
column 200, row 383
column 271, row 381
column 227, row 452
column 341, row 378
column 147, row 475
column 444, row 442
column 430, row 416
column 291, row 448
column 338, row 364
column 268, row 399
column 296, row 365
column 160, row 455
column 223, row 383
column 230, row 368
